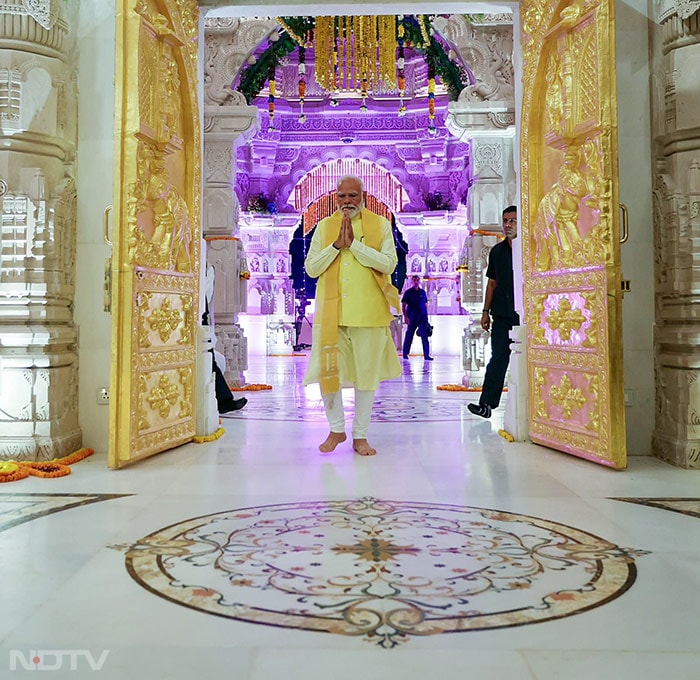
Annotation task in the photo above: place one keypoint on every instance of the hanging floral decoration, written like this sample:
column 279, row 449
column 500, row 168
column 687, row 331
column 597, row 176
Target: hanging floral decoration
column 431, row 98
column 359, row 53
column 336, row 71
column 302, row 83
column 400, row 65
column 271, row 98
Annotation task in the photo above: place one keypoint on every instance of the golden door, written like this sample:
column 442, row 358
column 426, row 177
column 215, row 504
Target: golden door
column 155, row 268
column 571, row 240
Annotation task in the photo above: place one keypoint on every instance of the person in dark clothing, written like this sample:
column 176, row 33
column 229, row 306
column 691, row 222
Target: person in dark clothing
column 414, row 304
column 499, row 302
column 225, row 401
column 398, row 278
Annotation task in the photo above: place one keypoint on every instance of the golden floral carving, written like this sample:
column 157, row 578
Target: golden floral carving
column 179, row 284
column 565, row 319
column 591, row 339
column 188, row 325
column 153, row 361
column 163, row 396
column 143, row 421
column 537, row 302
column 186, row 381
column 568, row 397
column 593, row 423
column 540, row 377
column 168, row 436
column 165, row 320
column 144, row 300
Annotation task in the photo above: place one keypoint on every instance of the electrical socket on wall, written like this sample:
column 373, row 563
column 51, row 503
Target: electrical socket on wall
column 103, row 395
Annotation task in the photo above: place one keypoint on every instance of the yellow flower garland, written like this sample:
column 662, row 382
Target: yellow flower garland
column 14, row 470
column 210, row 437
column 461, row 388
column 508, row 437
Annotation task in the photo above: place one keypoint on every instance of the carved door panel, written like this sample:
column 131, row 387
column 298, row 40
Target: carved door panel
column 571, row 244
column 156, row 214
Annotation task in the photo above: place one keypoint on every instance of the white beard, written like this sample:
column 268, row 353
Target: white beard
column 352, row 211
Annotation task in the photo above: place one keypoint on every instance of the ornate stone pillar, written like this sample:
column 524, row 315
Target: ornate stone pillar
column 676, row 148
column 229, row 121
column 38, row 337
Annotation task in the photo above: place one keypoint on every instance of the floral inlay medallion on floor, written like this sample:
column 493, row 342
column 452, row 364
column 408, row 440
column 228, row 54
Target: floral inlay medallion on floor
column 383, row 570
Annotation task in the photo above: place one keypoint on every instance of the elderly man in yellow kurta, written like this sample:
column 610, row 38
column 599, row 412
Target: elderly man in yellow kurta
column 352, row 253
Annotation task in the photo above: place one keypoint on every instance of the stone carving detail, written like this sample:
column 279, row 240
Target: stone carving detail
column 665, row 9
column 488, row 155
column 44, row 12
column 218, row 158
column 676, row 435
column 487, row 51
column 227, row 47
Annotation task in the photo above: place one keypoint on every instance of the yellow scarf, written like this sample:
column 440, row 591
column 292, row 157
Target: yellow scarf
column 372, row 232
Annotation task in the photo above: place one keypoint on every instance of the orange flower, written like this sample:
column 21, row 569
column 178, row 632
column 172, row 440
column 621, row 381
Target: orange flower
column 253, row 387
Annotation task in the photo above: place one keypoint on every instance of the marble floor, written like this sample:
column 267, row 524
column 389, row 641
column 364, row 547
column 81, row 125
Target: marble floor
column 451, row 552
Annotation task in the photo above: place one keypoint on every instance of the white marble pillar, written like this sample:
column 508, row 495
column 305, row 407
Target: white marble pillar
column 38, row 336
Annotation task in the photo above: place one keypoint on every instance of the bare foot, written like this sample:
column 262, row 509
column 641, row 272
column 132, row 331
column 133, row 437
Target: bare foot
column 332, row 440
column 362, row 448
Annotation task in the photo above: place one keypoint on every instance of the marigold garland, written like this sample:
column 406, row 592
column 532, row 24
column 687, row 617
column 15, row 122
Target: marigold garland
column 508, row 437
column 11, row 471
column 302, row 83
column 253, row 387
column 451, row 387
column 271, row 98
column 14, row 470
column 203, row 439
column 431, row 99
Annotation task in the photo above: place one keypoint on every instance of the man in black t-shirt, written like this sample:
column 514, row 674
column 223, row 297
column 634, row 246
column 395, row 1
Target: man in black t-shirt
column 414, row 304
column 500, row 303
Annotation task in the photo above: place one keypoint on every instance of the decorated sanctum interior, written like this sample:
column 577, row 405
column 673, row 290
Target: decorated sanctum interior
column 163, row 166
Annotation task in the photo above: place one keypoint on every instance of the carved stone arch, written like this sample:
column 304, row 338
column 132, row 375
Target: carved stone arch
column 228, row 46
column 483, row 54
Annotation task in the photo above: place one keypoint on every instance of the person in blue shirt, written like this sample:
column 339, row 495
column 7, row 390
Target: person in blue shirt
column 414, row 305
column 499, row 302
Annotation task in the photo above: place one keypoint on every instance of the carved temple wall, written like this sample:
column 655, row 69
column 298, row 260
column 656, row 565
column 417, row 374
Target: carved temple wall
column 676, row 156
column 38, row 128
